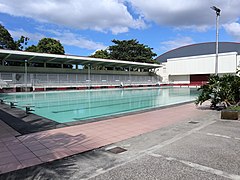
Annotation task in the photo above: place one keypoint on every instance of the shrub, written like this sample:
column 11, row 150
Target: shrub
column 220, row 90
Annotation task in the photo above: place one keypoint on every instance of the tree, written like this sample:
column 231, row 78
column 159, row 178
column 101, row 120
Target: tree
column 32, row 48
column 225, row 89
column 50, row 45
column 131, row 50
column 6, row 40
column 22, row 43
column 101, row 54
column 47, row 45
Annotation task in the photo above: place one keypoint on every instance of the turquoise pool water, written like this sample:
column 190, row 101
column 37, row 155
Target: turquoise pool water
column 68, row 106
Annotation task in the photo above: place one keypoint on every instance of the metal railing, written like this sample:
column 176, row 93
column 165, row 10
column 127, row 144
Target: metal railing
column 17, row 80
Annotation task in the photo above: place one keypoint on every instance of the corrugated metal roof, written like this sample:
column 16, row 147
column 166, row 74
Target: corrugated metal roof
column 10, row 55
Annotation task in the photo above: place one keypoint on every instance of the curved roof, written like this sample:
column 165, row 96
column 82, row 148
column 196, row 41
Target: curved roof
column 199, row 49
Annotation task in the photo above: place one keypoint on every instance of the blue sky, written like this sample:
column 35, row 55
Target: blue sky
column 84, row 26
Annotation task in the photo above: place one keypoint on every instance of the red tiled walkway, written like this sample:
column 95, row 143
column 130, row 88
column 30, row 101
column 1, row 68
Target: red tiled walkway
column 32, row 149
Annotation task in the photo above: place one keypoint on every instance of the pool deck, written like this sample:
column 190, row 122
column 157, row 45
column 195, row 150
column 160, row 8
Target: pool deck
column 20, row 151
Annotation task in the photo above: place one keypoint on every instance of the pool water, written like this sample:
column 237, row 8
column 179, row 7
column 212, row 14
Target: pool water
column 68, row 106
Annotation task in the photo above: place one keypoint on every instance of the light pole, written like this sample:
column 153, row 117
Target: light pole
column 89, row 75
column 217, row 10
column 25, row 75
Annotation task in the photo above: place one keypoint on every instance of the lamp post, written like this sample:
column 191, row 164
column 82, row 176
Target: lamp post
column 217, row 10
column 25, row 75
column 89, row 75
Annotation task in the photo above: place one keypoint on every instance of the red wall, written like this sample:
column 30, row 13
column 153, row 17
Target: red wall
column 199, row 78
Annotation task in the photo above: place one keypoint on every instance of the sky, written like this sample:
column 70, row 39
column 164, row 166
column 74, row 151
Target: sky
column 84, row 26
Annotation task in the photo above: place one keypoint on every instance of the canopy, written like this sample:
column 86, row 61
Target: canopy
column 11, row 55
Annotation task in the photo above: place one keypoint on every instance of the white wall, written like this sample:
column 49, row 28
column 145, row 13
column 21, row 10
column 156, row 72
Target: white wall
column 162, row 72
column 204, row 64
column 180, row 79
column 178, row 70
column 238, row 62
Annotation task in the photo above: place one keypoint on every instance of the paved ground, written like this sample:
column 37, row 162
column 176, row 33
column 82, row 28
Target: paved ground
column 208, row 149
column 17, row 152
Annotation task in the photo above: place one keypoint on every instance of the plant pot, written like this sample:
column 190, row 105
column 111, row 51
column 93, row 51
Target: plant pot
column 229, row 114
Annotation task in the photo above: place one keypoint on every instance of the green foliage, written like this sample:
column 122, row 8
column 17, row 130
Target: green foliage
column 31, row 48
column 50, row 45
column 225, row 89
column 128, row 50
column 101, row 54
column 6, row 40
column 234, row 108
column 47, row 45
column 22, row 43
column 131, row 50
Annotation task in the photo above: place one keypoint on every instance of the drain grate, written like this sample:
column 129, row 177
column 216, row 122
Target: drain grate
column 117, row 150
column 193, row 122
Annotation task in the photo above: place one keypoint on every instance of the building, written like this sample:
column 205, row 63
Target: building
column 30, row 71
column 193, row 64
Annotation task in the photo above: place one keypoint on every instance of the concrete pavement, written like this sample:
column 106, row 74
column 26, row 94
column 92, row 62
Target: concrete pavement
column 200, row 147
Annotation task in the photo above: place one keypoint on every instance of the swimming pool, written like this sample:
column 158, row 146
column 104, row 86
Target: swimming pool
column 68, row 106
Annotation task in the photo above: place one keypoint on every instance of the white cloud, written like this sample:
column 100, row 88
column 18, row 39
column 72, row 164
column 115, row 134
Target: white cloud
column 115, row 16
column 175, row 43
column 72, row 39
column 33, row 36
column 65, row 37
column 233, row 29
column 194, row 14
column 104, row 15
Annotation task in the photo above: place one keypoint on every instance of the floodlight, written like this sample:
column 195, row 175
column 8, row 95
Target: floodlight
column 217, row 10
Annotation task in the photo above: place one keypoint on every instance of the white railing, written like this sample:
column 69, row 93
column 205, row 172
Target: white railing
column 51, row 80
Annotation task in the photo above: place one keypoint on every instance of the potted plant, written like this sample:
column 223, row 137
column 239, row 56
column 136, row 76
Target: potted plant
column 232, row 113
column 223, row 93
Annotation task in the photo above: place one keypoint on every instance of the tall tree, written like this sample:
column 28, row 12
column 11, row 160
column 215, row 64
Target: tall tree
column 50, row 45
column 22, row 43
column 131, row 50
column 6, row 40
column 101, row 54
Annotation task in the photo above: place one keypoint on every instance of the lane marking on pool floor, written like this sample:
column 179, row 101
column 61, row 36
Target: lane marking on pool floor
column 198, row 167
column 152, row 149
